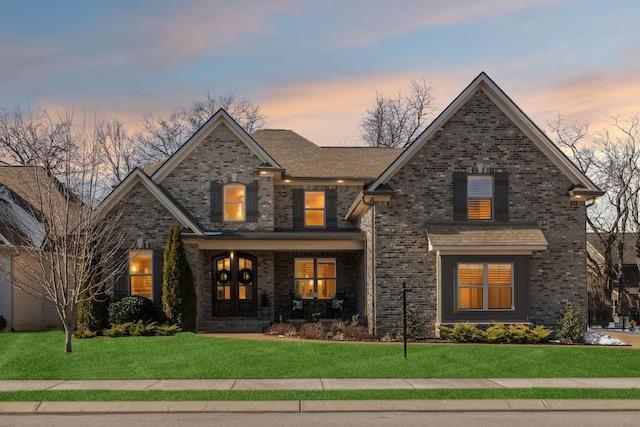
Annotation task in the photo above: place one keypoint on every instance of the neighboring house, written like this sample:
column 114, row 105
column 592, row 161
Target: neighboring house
column 20, row 227
column 482, row 217
column 631, row 275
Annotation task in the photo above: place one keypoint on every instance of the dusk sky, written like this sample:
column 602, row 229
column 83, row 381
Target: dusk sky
column 314, row 66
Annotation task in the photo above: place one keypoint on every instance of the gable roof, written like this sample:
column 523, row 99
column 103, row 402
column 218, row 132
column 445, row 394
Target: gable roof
column 515, row 114
column 29, row 197
column 302, row 158
column 220, row 117
column 138, row 176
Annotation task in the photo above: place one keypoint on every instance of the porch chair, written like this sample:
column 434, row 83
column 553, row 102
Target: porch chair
column 337, row 304
column 297, row 305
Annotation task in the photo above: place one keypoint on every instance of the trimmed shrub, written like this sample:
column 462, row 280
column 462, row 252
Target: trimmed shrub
column 497, row 333
column 571, row 326
column 539, row 334
column 167, row 330
column 415, row 325
column 83, row 333
column 117, row 330
column 179, row 300
column 462, row 332
column 312, row 331
column 131, row 310
column 142, row 329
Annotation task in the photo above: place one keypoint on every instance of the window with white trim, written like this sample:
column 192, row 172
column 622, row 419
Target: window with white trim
column 234, row 202
column 315, row 278
column 485, row 286
column 480, row 197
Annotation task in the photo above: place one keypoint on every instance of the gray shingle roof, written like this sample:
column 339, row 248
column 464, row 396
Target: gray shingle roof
column 451, row 235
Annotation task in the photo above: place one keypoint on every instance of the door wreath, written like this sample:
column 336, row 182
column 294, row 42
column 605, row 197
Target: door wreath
column 246, row 276
column 223, row 276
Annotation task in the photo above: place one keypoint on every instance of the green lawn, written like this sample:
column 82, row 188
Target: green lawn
column 39, row 356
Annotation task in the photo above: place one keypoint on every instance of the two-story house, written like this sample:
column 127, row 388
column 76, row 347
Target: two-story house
column 482, row 217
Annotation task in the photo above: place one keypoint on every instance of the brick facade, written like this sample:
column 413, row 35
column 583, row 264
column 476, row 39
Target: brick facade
column 479, row 133
column 391, row 246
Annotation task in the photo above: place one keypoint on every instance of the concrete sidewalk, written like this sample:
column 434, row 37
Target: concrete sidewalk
column 320, row 384
column 320, row 405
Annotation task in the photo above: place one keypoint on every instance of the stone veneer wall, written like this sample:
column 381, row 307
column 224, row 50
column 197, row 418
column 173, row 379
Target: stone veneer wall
column 478, row 133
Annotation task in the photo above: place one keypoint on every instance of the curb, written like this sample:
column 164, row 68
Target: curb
column 525, row 405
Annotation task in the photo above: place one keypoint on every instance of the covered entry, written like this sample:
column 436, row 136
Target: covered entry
column 234, row 285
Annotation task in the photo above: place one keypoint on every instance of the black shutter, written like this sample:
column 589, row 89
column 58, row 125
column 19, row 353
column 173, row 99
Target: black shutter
column 501, row 194
column 331, row 206
column 252, row 201
column 158, row 261
column 216, row 201
column 459, row 196
column 298, row 208
column 121, row 287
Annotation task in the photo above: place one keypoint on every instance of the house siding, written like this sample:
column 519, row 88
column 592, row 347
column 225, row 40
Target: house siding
column 479, row 133
column 5, row 287
column 30, row 313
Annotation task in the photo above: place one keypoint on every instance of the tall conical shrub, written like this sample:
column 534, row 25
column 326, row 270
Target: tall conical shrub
column 179, row 301
column 93, row 303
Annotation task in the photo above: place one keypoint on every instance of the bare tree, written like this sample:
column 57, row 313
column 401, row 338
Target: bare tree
column 612, row 161
column 72, row 245
column 161, row 137
column 35, row 137
column 119, row 151
column 397, row 121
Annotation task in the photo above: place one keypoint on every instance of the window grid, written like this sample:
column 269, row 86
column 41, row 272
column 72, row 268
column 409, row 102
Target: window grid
column 480, row 197
column 234, row 202
column 315, row 278
column 314, row 209
column 141, row 273
column 485, row 286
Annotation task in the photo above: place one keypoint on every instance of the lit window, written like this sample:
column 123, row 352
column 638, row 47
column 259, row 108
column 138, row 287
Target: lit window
column 234, row 202
column 487, row 286
column 315, row 278
column 141, row 273
column 480, row 197
column 314, row 211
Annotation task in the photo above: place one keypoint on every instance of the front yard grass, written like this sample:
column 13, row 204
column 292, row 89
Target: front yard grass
column 38, row 355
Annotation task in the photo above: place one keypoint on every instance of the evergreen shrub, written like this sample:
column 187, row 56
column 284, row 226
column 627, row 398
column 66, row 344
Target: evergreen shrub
column 132, row 309
column 571, row 326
